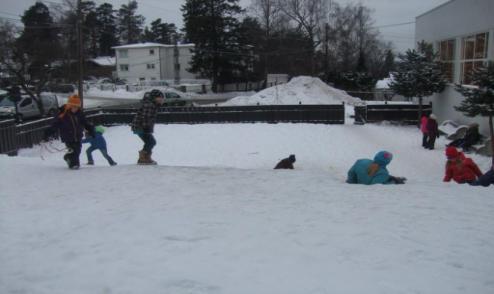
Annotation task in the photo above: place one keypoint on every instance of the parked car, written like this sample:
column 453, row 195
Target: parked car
column 174, row 99
column 27, row 107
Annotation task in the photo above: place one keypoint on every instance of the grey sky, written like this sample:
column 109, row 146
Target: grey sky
column 385, row 12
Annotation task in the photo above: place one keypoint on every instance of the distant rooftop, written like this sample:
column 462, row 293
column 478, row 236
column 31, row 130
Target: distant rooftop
column 150, row 44
column 104, row 60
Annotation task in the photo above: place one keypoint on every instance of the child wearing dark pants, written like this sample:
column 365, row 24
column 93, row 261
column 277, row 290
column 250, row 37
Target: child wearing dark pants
column 485, row 179
column 143, row 124
column 70, row 122
column 97, row 142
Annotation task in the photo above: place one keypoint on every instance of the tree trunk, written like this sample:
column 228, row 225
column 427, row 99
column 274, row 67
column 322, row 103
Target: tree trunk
column 420, row 112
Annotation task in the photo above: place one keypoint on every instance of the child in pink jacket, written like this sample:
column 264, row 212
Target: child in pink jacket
column 423, row 129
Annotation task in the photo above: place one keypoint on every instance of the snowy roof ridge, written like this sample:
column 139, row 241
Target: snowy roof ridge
column 150, row 44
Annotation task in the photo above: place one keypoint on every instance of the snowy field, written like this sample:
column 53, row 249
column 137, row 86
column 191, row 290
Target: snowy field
column 214, row 217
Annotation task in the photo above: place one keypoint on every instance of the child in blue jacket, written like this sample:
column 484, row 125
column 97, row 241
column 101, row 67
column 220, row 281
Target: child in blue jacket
column 97, row 142
column 369, row 172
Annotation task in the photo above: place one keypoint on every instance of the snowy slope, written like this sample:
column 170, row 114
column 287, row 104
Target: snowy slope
column 215, row 217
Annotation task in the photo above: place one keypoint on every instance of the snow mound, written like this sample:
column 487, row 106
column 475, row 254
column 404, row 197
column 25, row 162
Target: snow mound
column 300, row 90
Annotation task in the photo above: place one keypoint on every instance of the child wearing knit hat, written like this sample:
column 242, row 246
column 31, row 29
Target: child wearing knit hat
column 97, row 142
column 70, row 122
column 460, row 168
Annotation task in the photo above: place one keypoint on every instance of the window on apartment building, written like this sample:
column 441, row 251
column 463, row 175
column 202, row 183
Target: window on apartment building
column 150, row 66
column 124, row 53
column 151, row 51
column 124, row 67
column 446, row 56
column 473, row 55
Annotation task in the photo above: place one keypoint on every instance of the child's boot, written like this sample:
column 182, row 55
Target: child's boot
column 149, row 159
column 142, row 157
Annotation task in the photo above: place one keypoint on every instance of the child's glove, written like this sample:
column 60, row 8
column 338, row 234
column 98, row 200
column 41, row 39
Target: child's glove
column 397, row 180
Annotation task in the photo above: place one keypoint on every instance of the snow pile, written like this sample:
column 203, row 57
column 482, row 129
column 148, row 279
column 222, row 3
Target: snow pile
column 300, row 90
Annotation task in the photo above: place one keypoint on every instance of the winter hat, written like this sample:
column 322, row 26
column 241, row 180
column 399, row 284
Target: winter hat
column 292, row 157
column 451, row 152
column 99, row 129
column 74, row 100
column 383, row 158
column 432, row 116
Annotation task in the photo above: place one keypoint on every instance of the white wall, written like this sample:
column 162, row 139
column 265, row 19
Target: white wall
column 454, row 20
column 137, row 59
column 167, row 65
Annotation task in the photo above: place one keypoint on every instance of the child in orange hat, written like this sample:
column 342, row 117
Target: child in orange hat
column 70, row 122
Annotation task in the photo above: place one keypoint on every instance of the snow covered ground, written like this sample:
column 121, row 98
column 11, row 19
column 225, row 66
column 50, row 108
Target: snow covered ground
column 214, row 217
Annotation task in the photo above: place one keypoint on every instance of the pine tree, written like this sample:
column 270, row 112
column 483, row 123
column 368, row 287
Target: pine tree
column 159, row 32
column 130, row 23
column 91, row 29
column 479, row 99
column 107, row 22
column 37, row 49
column 212, row 26
column 418, row 75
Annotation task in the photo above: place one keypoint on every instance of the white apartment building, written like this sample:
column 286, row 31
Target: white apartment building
column 152, row 61
column 462, row 31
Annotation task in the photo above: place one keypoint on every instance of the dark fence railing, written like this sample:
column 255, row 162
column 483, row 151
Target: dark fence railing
column 402, row 113
column 14, row 137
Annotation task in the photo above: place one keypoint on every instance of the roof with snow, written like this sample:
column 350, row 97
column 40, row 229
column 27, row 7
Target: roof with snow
column 104, row 60
column 150, row 44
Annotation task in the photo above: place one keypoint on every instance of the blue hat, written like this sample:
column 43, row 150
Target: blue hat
column 383, row 158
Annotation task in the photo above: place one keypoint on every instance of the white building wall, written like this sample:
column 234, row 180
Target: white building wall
column 167, row 63
column 454, row 20
column 137, row 60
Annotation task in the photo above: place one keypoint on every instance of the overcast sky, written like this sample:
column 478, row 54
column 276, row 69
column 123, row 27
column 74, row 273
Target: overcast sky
column 385, row 12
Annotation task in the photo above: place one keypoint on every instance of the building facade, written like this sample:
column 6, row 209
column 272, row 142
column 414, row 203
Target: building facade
column 462, row 32
column 153, row 61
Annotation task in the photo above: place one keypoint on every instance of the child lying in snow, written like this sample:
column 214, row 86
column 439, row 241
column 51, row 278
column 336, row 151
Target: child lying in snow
column 369, row 172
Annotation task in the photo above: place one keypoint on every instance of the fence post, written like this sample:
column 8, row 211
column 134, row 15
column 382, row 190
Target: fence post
column 8, row 138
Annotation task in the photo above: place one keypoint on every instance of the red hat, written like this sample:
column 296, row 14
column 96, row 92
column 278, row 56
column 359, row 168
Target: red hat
column 451, row 152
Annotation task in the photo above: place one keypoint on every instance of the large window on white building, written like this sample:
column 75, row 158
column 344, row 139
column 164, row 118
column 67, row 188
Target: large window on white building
column 447, row 56
column 124, row 67
column 150, row 66
column 123, row 53
column 473, row 55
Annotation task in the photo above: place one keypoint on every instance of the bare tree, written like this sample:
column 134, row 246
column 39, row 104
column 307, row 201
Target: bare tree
column 310, row 17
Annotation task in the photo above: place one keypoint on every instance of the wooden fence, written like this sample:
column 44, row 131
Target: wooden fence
column 401, row 113
column 14, row 137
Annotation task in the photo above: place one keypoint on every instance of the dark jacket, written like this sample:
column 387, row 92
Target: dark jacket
column 431, row 127
column 71, row 126
column 97, row 141
column 145, row 117
column 285, row 163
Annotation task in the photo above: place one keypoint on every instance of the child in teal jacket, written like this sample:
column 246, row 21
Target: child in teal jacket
column 369, row 172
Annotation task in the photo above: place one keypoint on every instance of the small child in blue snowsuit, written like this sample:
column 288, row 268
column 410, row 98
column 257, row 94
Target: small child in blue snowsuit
column 97, row 142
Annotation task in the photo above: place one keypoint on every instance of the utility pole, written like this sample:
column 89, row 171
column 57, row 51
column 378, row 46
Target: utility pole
column 176, row 63
column 80, row 52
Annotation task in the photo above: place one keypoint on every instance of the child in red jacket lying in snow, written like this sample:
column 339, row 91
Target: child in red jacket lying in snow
column 460, row 168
